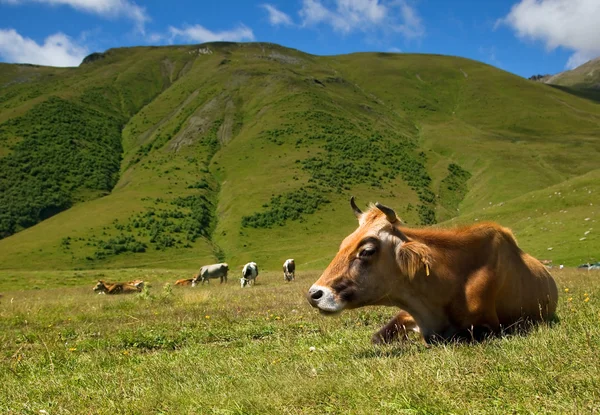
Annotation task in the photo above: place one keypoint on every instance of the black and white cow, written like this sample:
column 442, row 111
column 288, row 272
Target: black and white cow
column 249, row 274
column 289, row 270
column 208, row 272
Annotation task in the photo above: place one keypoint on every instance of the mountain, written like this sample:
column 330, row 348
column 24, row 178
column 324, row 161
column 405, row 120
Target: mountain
column 583, row 81
column 584, row 76
column 169, row 157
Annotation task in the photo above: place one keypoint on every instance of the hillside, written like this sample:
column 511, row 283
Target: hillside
column 172, row 156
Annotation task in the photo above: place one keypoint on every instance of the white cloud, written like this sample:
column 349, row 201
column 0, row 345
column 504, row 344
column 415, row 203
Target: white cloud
column 57, row 50
column 346, row 16
column 579, row 58
column 106, row 8
column 394, row 50
column 200, row 34
column 572, row 24
column 276, row 16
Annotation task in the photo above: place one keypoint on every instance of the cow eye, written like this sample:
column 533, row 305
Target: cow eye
column 367, row 252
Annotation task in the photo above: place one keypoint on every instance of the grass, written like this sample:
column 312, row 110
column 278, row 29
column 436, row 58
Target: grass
column 222, row 349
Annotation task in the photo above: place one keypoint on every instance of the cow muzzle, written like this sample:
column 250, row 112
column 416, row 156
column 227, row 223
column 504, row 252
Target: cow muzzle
column 323, row 298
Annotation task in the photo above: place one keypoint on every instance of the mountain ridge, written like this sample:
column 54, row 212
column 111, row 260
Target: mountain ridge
column 205, row 133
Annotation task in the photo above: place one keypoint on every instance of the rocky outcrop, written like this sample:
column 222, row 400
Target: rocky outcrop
column 96, row 56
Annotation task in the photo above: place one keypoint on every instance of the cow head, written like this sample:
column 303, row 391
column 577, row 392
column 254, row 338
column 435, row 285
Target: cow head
column 196, row 279
column 374, row 266
column 100, row 287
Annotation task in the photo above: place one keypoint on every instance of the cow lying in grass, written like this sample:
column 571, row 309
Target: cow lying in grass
column 449, row 284
column 131, row 287
column 186, row 282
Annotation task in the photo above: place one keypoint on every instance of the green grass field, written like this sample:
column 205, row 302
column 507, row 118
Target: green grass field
column 220, row 349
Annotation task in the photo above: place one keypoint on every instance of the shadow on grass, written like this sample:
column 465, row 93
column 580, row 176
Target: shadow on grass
column 396, row 350
column 476, row 335
column 585, row 93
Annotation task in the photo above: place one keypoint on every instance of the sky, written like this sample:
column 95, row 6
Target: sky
column 525, row 37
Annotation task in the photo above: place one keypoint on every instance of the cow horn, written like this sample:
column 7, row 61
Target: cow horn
column 389, row 212
column 357, row 212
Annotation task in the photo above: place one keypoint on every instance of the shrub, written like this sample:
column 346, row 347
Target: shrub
column 65, row 147
column 289, row 206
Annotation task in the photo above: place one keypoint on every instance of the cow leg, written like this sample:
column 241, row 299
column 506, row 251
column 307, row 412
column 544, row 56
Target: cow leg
column 487, row 326
column 397, row 327
column 480, row 318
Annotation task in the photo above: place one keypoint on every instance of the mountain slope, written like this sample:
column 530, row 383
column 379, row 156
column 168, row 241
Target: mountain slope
column 584, row 76
column 583, row 81
column 250, row 151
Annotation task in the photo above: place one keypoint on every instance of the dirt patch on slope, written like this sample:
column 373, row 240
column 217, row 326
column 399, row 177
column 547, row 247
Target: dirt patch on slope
column 197, row 124
column 144, row 137
column 226, row 130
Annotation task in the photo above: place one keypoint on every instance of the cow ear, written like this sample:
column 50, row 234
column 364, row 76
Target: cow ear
column 412, row 257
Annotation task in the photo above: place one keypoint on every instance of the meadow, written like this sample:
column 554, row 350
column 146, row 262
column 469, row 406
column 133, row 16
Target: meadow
column 220, row 349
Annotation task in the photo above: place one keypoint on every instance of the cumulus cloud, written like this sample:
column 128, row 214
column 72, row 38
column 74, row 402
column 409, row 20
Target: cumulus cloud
column 57, row 49
column 200, row 34
column 105, row 8
column 346, row 16
column 276, row 16
column 571, row 24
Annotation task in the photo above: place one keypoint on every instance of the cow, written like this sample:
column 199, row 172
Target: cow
column 103, row 287
column 249, row 274
column 289, row 270
column 208, row 272
column 186, row 281
column 449, row 284
column 137, row 283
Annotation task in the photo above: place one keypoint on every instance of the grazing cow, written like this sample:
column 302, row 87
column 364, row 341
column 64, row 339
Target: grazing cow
column 249, row 274
column 186, row 281
column 289, row 270
column 448, row 283
column 208, row 272
column 117, row 288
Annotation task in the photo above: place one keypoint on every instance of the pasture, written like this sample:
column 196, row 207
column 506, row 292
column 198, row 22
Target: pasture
column 220, row 349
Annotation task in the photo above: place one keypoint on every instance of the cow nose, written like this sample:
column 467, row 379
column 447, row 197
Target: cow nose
column 315, row 295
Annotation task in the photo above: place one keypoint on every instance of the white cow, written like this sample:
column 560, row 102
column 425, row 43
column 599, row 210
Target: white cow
column 249, row 274
column 289, row 270
column 208, row 272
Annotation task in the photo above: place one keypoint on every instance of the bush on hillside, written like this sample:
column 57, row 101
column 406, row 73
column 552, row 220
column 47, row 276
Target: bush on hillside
column 289, row 206
column 64, row 150
column 453, row 188
column 352, row 154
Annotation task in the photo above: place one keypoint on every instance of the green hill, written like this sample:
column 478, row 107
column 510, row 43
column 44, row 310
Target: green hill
column 169, row 157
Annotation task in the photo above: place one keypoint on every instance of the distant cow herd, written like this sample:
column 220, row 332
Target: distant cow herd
column 205, row 274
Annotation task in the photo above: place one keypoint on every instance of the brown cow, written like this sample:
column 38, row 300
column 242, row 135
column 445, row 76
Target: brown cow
column 448, row 283
column 118, row 288
column 186, row 282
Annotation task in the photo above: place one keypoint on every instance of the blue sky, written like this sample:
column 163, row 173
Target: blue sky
column 525, row 37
